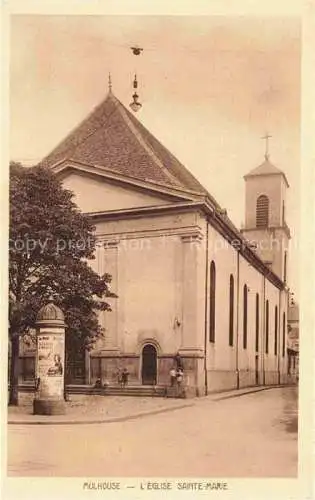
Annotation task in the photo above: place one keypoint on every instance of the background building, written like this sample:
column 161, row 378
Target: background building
column 293, row 339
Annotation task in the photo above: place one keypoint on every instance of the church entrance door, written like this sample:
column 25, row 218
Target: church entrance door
column 149, row 365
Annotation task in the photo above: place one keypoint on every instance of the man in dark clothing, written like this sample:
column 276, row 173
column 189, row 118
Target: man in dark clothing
column 178, row 361
column 124, row 377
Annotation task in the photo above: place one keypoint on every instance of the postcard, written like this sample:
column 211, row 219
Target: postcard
column 158, row 226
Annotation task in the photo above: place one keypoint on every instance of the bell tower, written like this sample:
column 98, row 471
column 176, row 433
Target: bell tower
column 265, row 215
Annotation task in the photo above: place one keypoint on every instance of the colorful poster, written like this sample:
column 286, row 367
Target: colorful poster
column 50, row 365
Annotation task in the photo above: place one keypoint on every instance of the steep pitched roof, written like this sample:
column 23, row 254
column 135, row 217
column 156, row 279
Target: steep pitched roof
column 266, row 168
column 113, row 138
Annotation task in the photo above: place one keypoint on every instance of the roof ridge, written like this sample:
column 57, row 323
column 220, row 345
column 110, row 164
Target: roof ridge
column 177, row 164
column 73, row 147
column 144, row 144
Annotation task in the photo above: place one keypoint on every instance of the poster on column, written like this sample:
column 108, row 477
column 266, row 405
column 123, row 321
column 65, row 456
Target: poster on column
column 50, row 364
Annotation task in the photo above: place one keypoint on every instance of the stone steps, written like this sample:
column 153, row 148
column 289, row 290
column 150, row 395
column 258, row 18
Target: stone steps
column 114, row 390
column 139, row 390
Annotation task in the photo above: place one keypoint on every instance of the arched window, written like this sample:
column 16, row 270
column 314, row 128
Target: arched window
column 267, row 327
column 212, row 302
column 231, row 312
column 283, row 335
column 276, row 331
column 262, row 211
column 257, row 323
column 245, row 291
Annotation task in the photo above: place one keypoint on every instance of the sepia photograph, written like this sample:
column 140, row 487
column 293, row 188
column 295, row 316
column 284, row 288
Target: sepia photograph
column 154, row 273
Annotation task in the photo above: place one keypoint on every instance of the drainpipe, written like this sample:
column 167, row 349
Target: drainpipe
column 237, row 319
column 278, row 341
column 206, row 312
column 264, row 330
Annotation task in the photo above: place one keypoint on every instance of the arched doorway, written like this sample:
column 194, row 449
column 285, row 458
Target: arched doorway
column 149, row 365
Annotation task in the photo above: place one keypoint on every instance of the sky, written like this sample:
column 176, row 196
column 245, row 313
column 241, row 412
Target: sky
column 210, row 88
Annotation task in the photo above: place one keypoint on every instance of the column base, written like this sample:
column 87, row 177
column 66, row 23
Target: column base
column 49, row 407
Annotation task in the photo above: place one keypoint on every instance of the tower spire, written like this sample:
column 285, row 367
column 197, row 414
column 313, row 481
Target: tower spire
column 266, row 137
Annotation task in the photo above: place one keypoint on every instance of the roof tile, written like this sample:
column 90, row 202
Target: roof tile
column 113, row 138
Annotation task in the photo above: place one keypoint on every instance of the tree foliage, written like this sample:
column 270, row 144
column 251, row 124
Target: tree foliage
column 50, row 245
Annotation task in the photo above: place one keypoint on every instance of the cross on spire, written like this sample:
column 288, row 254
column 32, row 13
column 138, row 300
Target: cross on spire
column 109, row 82
column 266, row 137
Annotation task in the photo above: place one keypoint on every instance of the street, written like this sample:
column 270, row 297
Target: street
column 254, row 435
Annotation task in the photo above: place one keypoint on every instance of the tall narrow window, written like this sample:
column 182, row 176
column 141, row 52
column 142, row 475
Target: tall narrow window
column 285, row 266
column 231, row 312
column 212, row 302
column 276, row 331
column 245, row 291
column 283, row 335
column 257, row 323
column 262, row 211
column 267, row 327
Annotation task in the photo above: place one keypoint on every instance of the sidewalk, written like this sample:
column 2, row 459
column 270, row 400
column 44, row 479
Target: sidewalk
column 93, row 409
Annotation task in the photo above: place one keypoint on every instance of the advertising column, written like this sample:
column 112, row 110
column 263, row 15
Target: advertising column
column 50, row 357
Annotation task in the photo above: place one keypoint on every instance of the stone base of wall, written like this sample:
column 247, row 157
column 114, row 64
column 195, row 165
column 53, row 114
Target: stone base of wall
column 247, row 378
column 106, row 367
column 221, row 380
column 271, row 378
column 288, row 379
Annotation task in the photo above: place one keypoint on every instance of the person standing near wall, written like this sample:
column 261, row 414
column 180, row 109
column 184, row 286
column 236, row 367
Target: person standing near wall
column 173, row 376
column 124, row 378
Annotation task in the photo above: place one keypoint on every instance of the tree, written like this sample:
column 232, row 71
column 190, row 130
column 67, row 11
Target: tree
column 50, row 244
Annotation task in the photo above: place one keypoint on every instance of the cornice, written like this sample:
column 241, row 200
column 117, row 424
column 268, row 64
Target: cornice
column 268, row 229
column 190, row 232
column 140, row 211
column 61, row 168
column 218, row 221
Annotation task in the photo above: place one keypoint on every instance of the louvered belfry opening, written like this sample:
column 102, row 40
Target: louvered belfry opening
column 262, row 211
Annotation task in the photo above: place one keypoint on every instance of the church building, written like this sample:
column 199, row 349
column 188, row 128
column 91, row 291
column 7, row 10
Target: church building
column 188, row 282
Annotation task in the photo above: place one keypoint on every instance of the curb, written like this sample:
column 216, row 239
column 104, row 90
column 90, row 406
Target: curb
column 256, row 389
column 99, row 421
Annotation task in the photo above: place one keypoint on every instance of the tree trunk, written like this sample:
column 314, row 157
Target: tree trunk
column 14, row 371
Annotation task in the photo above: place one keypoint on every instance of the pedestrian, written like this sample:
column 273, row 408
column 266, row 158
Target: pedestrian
column 119, row 377
column 178, row 361
column 98, row 384
column 179, row 376
column 173, row 376
column 124, row 377
column 179, row 380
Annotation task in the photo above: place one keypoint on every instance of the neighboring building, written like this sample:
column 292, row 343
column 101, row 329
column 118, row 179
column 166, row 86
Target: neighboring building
column 187, row 280
column 293, row 339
